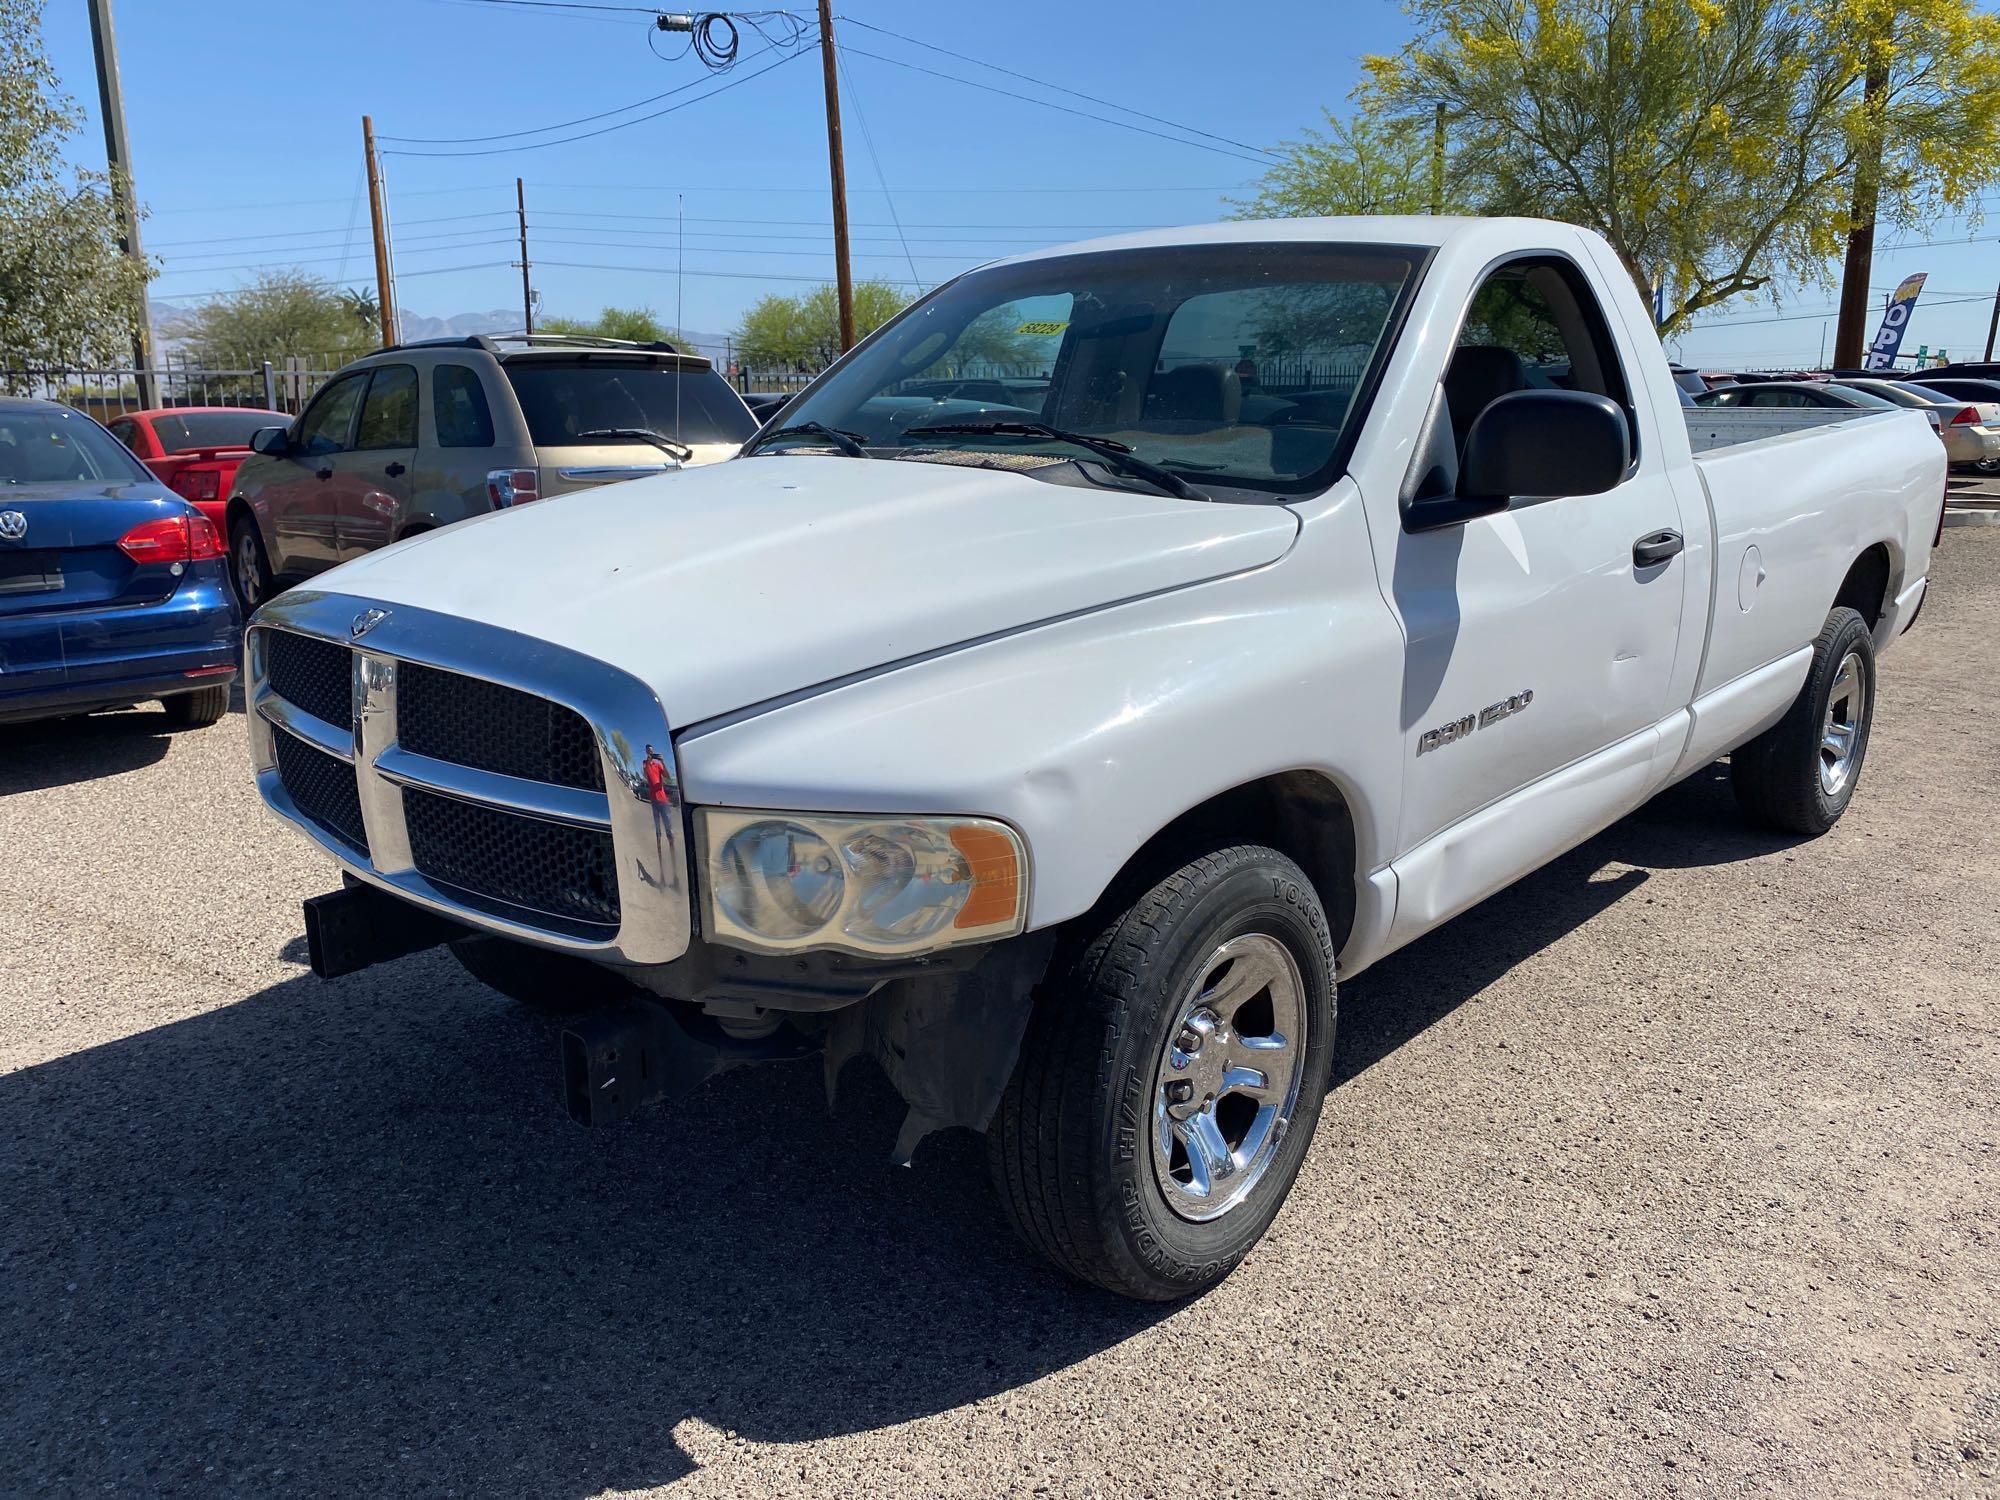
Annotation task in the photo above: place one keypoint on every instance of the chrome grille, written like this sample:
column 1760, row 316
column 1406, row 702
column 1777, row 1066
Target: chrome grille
column 313, row 675
column 471, row 722
column 510, row 783
column 322, row 787
column 517, row 861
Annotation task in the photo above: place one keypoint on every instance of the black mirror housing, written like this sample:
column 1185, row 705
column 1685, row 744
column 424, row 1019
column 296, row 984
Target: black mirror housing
column 1545, row 443
column 274, row 442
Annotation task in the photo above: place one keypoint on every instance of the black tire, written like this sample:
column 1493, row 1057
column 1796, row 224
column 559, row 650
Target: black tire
column 198, row 709
column 250, row 577
column 1071, row 1146
column 553, row 984
column 1777, row 776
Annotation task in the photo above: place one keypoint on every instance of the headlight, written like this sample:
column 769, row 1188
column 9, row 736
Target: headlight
column 889, row 885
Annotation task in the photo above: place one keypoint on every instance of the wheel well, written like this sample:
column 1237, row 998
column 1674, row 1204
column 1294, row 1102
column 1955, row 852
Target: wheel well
column 1301, row 814
column 237, row 507
column 1866, row 587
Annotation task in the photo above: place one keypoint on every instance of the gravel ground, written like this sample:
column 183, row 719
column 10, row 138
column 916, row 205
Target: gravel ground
column 1669, row 1172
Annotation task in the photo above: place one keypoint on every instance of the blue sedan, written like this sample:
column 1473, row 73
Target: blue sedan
column 112, row 588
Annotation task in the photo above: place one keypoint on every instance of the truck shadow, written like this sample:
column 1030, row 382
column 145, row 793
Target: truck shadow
column 339, row 1237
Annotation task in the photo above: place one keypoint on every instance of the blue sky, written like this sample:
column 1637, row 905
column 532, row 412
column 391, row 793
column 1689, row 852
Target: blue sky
column 245, row 122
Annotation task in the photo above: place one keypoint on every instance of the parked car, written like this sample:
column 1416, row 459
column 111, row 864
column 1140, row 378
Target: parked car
column 1790, row 393
column 418, row 436
column 111, row 586
column 1059, row 758
column 763, row 404
column 195, row 449
column 1973, row 369
column 1970, row 429
column 1981, row 393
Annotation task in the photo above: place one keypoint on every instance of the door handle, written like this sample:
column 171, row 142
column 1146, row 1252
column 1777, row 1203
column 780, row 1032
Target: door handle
column 326, row 473
column 1656, row 547
column 393, row 470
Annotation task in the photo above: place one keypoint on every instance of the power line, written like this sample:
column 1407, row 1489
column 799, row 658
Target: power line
column 1057, row 88
column 581, row 265
column 622, row 125
column 971, row 83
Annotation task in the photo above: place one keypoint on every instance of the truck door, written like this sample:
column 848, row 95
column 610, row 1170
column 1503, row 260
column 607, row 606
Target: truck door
column 372, row 479
column 1539, row 639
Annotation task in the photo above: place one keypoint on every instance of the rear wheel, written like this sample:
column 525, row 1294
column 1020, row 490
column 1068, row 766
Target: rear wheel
column 1800, row 774
column 249, row 569
column 1170, row 1080
column 196, row 710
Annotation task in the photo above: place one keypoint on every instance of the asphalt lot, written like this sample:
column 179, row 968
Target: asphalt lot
column 1670, row 1171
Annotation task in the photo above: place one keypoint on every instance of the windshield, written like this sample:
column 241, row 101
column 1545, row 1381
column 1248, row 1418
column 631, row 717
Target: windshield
column 563, row 399
column 1234, row 365
column 182, row 430
column 53, row 445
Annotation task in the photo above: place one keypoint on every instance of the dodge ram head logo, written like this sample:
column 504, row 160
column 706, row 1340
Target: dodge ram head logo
column 366, row 621
column 13, row 525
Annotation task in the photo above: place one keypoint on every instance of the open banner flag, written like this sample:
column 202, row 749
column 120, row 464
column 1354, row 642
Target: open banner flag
column 1895, row 318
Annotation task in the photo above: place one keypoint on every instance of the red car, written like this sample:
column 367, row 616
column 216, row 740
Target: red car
column 195, row 449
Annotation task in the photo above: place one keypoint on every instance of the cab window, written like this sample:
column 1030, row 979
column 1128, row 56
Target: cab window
column 389, row 411
column 1534, row 324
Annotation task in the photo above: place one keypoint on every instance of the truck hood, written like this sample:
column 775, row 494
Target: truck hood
column 725, row 586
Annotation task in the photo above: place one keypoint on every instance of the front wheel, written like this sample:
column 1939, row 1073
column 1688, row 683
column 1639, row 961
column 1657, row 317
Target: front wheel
column 1171, row 1078
column 249, row 569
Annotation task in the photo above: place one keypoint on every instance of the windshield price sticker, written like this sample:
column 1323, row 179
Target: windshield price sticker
column 1042, row 330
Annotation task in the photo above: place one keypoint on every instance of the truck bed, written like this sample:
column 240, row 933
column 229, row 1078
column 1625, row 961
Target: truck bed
column 1726, row 426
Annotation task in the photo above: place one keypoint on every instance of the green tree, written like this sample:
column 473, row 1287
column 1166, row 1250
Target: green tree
column 281, row 313
column 68, row 296
column 639, row 324
column 781, row 332
column 362, row 305
column 1714, row 143
column 1363, row 165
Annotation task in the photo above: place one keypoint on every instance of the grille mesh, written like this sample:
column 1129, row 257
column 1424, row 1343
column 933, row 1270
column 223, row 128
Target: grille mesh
column 322, row 787
column 471, row 722
column 518, row 861
column 311, row 674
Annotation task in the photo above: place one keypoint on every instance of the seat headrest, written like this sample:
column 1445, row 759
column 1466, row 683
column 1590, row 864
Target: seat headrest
column 1480, row 374
column 1195, row 393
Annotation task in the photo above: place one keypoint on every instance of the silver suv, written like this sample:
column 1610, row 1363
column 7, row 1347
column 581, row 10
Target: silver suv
column 424, row 434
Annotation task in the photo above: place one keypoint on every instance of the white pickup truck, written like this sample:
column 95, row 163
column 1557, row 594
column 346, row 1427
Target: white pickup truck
column 1059, row 695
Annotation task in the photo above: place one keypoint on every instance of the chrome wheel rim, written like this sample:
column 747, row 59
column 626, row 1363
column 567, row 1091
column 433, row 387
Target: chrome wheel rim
column 1228, row 1078
column 1840, row 734
column 248, row 584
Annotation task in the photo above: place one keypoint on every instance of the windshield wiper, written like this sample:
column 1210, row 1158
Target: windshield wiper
column 678, row 451
column 845, row 442
column 1116, row 455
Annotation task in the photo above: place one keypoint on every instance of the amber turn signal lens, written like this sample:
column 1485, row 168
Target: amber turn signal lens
column 996, row 876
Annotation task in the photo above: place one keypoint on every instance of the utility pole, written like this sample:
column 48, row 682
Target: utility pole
column 837, row 169
column 1848, row 336
column 1437, row 160
column 118, row 157
column 385, row 294
column 527, row 296
column 1993, row 327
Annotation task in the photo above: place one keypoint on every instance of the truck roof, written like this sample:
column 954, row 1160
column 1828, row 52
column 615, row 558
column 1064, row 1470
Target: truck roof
column 1423, row 230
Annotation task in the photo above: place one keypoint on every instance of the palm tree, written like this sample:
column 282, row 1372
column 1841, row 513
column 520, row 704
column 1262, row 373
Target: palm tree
column 361, row 304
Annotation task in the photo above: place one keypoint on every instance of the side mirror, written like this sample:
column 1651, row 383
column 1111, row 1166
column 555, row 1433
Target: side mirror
column 275, row 442
column 1546, row 443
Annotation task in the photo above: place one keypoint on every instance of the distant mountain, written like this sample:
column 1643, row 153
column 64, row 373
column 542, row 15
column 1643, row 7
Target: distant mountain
column 416, row 326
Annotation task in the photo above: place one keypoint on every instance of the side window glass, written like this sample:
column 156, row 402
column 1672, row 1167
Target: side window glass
column 389, row 414
column 458, row 408
column 126, row 433
column 325, row 427
column 1533, row 325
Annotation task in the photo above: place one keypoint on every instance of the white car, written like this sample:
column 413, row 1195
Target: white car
column 1059, row 745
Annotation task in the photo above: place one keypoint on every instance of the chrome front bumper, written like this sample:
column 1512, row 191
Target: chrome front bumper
column 640, row 808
